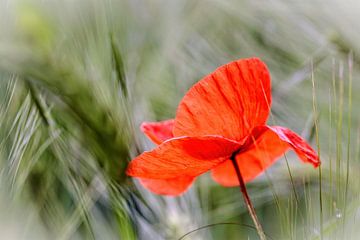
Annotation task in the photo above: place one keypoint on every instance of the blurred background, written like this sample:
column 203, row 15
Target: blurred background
column 77, row 78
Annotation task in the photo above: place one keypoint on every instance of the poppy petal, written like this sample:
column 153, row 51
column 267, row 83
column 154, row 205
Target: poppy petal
column 172, row 186
column 229, row 102
column 270, row 144
column 158, row 131
column 183, row 156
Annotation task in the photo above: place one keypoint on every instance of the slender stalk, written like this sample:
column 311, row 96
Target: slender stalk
column 318, row 148
column 247, row 200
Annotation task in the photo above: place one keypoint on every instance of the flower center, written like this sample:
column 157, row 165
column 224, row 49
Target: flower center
column 233, row 155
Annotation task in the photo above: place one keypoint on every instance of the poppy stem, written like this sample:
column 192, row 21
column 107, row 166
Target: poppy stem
column 247, row 200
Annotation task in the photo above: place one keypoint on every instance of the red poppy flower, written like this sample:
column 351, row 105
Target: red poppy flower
column 222, row 114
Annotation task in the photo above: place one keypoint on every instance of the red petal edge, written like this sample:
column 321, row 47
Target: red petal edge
column 171, row 187
column 270, row 144
column 184, row 156
column 158, row 132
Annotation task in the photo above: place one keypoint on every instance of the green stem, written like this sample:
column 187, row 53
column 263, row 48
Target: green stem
column 247, row 200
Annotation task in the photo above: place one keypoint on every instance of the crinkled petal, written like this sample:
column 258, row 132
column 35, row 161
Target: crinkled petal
column 229, row 102
column 270, row 144
column 158, row 131
column 171, row 187
column 183, row 156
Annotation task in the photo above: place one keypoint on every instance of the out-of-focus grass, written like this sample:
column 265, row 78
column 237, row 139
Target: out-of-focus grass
column 78, row 77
